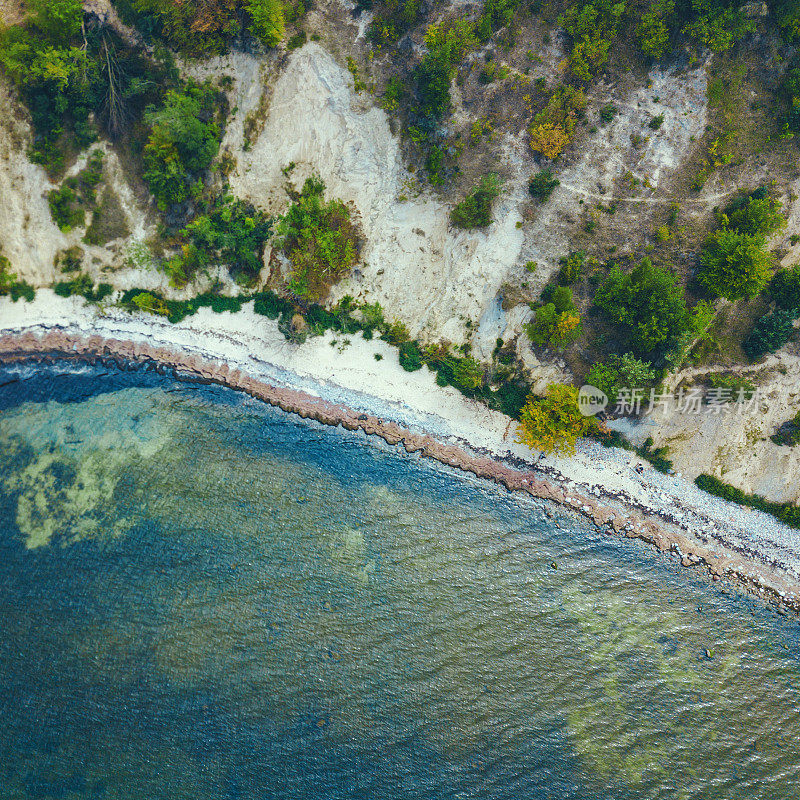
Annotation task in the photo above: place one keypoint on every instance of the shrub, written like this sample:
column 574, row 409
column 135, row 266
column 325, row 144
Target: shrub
column 447, row 44
column 297, row 41
column 183, row 141
column 410, row 356
column 571, row 268
column 788, row 434
column 197, row 29
column 784, row 288
column 392, row 19
column 65, row 207
column 549, row 139
column 542, row 184
column 769, row 334
column 150, row 303
column 756, row 215
column 656, row 122
column 475, row 210
column 648, row 303
column 267, row 21
column 396, row 333
column 552, row 327
column 734, row 265
column 232, row 232
column 620, row 372
column 554, row 423
column 608, row 112
column 496, row 14
column 467, row 374
column 319, row 239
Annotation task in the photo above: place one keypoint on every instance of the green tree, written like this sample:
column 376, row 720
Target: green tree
column 757, row 215
column 552, row 327
column 734, row 265
column 496, row 14
column 231, row 232
column 648, row 302
column 447, row 44
column 718, row 25
column 58, row 20
column 620, row 372
column 183, row 142
column 652, row 30
column 554, row 423
column 267, row 20
column 319, row 240
column 592, row 25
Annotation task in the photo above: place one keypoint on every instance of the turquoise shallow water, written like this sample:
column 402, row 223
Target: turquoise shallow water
column 201, row 597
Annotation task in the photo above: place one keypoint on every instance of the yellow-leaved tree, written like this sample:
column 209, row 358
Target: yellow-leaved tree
column 554, row 423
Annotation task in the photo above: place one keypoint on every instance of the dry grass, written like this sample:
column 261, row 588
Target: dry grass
column 12, row 12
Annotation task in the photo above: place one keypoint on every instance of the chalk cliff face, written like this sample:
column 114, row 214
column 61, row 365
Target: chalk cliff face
column 445, row 284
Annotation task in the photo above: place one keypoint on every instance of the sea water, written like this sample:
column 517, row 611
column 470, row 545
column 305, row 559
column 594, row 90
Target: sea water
column 202, row 597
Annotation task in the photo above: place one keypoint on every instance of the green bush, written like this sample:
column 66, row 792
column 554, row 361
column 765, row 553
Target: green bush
column 784, row 289
column 770, row 333
column 620, row 372
column 648, row 302
column 183, row 141
column 756, row 215
column 231, row 232
column 9, row 285
column 297, row 41
column 734, row 264
column 475, row 210
column 268, row 304
column 76, row 195
column 410, row 356
column 592, row 26
column 83, row 285
column 786, row 512
column 319, row 239
column 542, row 184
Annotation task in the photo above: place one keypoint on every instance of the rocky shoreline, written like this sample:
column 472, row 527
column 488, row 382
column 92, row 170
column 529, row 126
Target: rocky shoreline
column 610, row 513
